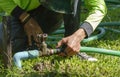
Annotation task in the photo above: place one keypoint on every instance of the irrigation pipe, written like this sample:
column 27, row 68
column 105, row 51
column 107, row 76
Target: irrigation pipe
column 112, row 1
column 35, row 53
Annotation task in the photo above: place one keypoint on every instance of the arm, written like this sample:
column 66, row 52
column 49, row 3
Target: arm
column 18, row 9
column 97, row 10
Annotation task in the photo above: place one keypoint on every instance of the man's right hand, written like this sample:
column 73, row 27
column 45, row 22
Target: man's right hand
column 31, row 28
column 72, row 43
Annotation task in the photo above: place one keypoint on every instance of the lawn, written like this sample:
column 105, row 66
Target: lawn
column 56, row 66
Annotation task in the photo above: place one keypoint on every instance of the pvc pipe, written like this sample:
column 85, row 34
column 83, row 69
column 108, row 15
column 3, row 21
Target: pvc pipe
column 95, row 37
column 110, row 24
column 24, row 55
column 35, row 53
column 112, row 1
column 100, row 50
column 114, row 30
column 31, row 54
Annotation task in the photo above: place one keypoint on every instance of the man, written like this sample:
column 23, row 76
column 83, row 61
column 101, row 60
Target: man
column 30, row 17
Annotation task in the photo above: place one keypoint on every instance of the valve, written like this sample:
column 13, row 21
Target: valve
column 42, row 46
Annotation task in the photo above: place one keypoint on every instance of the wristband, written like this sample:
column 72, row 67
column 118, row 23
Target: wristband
column 25, row 18
column 21, row 14
column 88, row 28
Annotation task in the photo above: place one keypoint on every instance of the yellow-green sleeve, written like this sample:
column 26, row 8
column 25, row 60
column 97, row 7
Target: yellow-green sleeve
column 27, row 5
column 97, row 10
column 7, row 6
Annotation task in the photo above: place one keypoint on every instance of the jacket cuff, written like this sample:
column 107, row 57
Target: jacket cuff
column 17, row 11
column 88, row 28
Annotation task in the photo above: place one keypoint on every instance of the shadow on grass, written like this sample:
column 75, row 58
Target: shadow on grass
column 48, row 74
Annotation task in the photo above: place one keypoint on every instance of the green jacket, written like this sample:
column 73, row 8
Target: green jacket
column 97, row 8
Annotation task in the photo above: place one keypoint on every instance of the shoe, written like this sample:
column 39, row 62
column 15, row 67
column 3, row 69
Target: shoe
column 84, row 56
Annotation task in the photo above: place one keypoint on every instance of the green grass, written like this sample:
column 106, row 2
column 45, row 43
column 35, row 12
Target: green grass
column 56, row 66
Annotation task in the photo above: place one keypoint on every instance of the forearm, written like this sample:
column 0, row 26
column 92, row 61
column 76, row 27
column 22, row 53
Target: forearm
column 97, row 10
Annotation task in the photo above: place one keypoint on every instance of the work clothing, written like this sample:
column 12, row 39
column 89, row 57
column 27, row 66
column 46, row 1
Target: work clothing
column 96, row 8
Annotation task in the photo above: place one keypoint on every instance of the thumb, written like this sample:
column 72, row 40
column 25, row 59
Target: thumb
column 29, row 40
column 60, row 43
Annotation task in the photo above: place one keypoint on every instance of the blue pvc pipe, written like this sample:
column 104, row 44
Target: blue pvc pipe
column 24, row 55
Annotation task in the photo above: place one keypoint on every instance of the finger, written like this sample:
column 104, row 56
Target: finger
column 38, row 41
column 71, row 53
column 62, row 54
column 35, row 37
column 74, row 51
column 59, row 43
column 29, row 40
column 68, row 50
column 77, row 48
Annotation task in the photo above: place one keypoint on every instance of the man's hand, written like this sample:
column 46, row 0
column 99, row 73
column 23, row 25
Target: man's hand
column 72, row 43
column 31, row 28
